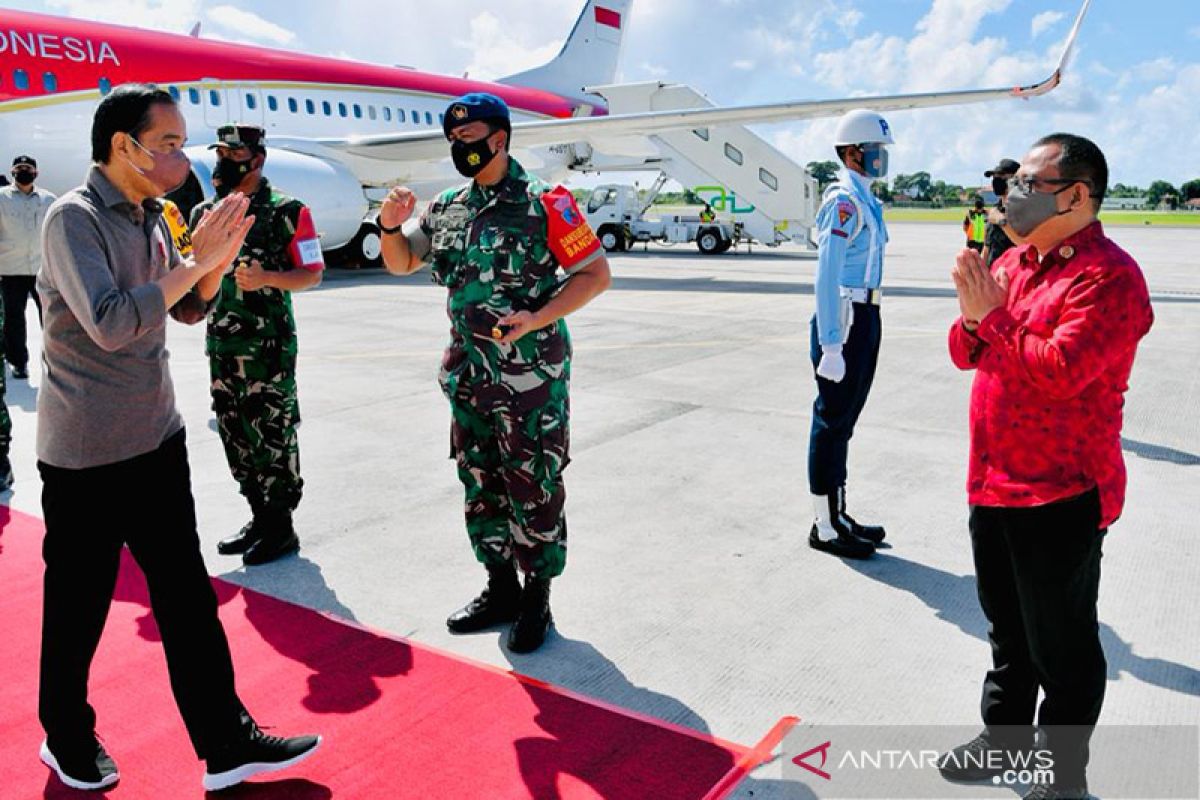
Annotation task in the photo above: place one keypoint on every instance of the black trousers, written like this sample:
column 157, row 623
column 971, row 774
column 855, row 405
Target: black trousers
column 145, row 503
column 17, row 289
column 838, row 405
column 1038, row 572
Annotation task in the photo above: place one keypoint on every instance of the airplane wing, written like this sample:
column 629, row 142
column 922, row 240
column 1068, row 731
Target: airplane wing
column 430, row 145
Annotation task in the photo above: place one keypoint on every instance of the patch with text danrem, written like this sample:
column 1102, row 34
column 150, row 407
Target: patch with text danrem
column 1151, row 762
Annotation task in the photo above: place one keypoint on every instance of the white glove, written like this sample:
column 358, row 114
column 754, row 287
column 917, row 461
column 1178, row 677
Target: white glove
column 832, row 366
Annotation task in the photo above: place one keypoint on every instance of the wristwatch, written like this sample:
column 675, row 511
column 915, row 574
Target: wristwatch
column 383, row 229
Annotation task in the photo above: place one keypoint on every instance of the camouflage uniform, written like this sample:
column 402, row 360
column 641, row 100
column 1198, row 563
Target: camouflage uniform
column 5, row 419
column 509, row 434
column 251, row 345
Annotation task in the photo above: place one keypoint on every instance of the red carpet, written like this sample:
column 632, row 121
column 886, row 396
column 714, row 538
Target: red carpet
column 400, row 720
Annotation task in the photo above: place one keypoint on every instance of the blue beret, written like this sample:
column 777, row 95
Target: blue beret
column 474, row 107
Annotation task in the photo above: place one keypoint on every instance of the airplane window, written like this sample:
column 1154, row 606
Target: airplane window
column 357, row 111
column 441, row 119
column 251, row 102
column 326, row 108
column 387, row 114
column 49, row 82
column 21, row 79
column 341, row 109
column 214, row 97
column 310, row 107
column 105, row 86
column 399, row 115
column 428, row 118
column 701, row 132
column 371, row 112
column 292, row 105
column 174, row 92
column 768, row 179
column 416, row 117
column 194, row 96
column 733, row 154
column 272, row 103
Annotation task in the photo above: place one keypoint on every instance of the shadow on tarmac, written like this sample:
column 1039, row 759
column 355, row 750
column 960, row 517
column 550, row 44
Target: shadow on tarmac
column 954, row 599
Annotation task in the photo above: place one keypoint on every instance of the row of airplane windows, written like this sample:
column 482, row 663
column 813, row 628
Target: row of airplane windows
column 21, row 82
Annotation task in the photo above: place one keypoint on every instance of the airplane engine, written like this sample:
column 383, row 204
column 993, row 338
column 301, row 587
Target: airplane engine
column 332, row 193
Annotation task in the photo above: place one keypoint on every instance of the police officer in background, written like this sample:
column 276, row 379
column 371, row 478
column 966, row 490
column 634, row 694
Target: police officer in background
column 251, row 346
column 846, row 331
column 999, row 237
column 517, row 257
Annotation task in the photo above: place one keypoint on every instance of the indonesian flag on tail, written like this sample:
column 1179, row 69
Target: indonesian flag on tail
column 606, row 16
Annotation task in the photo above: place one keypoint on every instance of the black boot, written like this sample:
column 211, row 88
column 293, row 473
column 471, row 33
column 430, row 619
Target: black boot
column 830, row 535
column 872, row 533
column 6, row 473
column 534, row 619
column 495, row 605
column 277, row 538
column 250, row 533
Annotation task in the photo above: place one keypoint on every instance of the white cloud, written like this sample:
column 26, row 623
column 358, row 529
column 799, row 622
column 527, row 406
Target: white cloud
column 176, row 16
column 1044, row 21
column 497, row 52
column 249, row 25
column 743, row 64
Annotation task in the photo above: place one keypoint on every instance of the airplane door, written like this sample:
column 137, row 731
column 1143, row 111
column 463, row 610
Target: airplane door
column 213, row 97
column 246, row 105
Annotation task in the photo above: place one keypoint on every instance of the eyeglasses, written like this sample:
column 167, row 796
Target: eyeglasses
column 1027, row 182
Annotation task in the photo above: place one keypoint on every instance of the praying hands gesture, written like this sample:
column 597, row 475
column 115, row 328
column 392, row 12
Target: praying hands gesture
column 979, row 293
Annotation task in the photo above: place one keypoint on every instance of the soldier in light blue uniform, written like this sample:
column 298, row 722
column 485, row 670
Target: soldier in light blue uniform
column 851, row 236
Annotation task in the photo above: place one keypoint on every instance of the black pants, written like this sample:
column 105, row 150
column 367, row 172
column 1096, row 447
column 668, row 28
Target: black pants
column 1038, row 572
column 17, row 289
column 145, row 503
column 838, row 405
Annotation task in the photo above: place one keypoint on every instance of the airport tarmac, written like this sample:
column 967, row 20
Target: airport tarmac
column 691, row 593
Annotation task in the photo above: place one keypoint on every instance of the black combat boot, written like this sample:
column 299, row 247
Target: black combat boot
column 533, row 619
column 872, row 533
column 830, row 535
column 277, row 538
column 495, row 605
column 250, row 533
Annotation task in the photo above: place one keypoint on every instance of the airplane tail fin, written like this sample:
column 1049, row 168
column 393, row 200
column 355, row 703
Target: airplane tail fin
column 590, row 55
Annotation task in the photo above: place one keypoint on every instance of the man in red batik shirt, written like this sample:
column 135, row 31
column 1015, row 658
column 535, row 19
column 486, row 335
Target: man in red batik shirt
column 1051, row 333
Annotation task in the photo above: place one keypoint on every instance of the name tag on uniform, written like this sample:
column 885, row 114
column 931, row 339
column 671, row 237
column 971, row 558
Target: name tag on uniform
column 310, row 251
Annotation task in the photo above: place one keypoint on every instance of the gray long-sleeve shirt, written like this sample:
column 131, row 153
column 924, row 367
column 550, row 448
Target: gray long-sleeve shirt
column 106, row 393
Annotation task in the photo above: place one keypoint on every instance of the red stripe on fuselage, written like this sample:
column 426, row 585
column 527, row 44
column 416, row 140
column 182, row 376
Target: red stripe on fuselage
column 79, row 54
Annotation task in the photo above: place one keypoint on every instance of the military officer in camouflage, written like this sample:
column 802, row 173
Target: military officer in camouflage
column 251, row 346
column 516, row 257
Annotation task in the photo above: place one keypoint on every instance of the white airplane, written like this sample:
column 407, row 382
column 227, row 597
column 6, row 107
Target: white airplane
column 340, row 132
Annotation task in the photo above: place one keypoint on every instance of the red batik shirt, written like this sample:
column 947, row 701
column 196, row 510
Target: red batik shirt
column 1051, row 369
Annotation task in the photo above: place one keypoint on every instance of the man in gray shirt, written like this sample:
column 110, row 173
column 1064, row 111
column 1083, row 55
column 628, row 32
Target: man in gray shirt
column 111, row 445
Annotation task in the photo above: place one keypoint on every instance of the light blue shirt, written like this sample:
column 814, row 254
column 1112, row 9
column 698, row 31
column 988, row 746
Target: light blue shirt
column 850, row 250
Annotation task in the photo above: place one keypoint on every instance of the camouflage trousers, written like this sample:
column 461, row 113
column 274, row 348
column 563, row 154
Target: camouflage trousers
column 257, row 413
column 5, row 419
column 510, row 459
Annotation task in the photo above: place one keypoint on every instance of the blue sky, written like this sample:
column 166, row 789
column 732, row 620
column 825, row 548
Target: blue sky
column 1134, row 85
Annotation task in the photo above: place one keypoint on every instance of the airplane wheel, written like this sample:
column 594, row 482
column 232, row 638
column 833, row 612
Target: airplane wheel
column 366, row 247
column 611, row 238
column 709, row 241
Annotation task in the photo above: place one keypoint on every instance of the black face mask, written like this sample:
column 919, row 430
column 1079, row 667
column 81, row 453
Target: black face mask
column 471, row 157
column 1000, row 186
column 24, row 177
column 230, row 173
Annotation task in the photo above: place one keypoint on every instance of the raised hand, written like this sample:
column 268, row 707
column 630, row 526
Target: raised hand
column 219, row 235
column 397, row 207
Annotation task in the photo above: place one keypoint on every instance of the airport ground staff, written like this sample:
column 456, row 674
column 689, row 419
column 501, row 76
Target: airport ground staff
column 846, row 331
column 251, row 347
column 517, row 256
column 975, row 226
column 1051, row 333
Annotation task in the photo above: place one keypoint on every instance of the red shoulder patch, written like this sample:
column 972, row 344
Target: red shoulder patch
column 570, row 237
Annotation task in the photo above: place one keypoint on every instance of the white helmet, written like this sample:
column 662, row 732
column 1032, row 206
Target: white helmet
column 862, row 126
